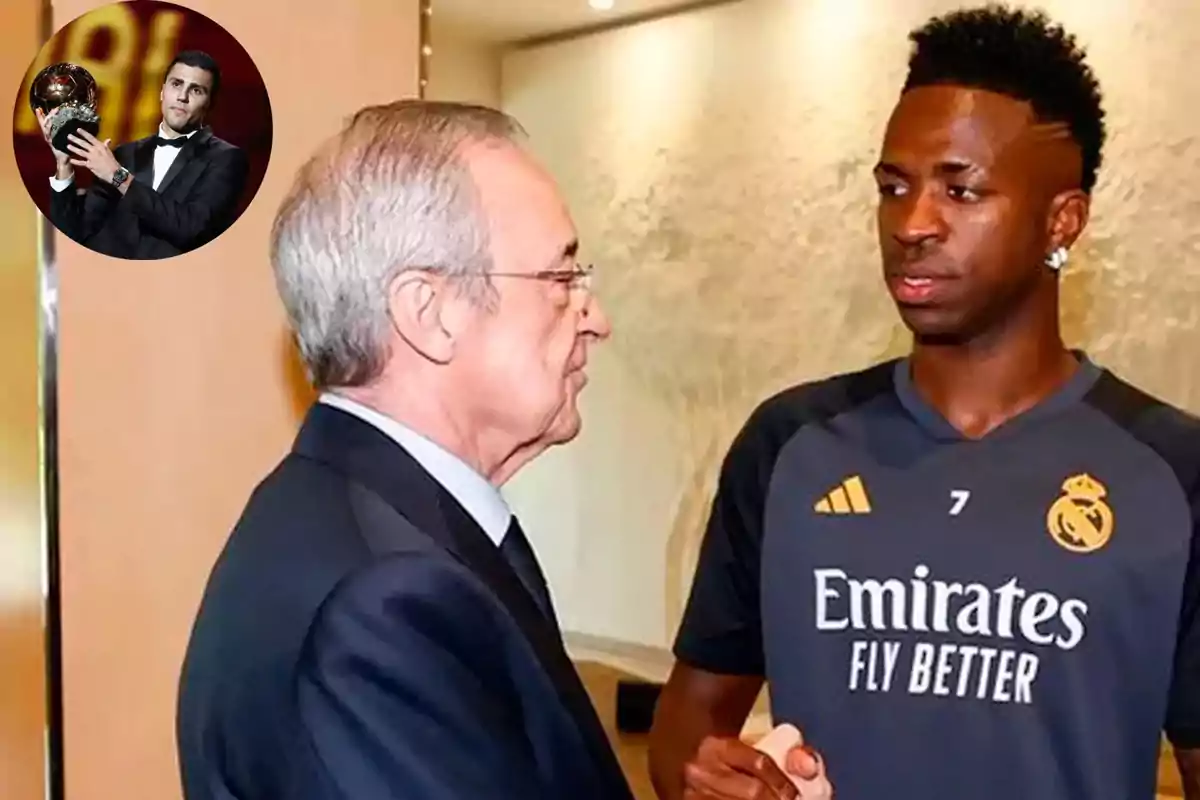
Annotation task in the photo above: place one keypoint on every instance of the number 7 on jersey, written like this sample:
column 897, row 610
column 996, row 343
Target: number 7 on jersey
column 960, row 498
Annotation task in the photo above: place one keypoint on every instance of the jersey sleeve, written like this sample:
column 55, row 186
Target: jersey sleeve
column 721, row 631
column 1183, row 710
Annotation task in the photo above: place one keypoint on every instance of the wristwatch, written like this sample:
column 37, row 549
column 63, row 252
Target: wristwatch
column 120, row 176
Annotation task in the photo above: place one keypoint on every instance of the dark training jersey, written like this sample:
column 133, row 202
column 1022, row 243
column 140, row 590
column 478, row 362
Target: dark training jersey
column 946, row 617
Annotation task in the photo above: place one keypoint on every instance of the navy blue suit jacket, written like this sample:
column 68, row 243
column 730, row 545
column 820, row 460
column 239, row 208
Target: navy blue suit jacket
column 360, row 637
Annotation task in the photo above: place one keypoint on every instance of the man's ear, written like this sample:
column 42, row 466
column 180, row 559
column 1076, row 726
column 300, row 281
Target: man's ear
column 417, row 305
column 1069, row 213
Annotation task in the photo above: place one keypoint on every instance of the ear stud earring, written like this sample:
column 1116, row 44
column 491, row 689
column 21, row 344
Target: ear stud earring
column 1057, row 259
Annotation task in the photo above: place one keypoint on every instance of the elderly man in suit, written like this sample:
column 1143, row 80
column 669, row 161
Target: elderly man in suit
column 159, row 196
column 376, row 625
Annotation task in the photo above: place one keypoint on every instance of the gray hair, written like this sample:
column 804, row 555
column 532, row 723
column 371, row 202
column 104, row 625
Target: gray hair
column 391, row 191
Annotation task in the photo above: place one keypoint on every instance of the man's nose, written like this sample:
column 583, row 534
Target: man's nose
column 594, row 321
column 920, row 220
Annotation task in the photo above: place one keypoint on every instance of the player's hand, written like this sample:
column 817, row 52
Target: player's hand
column 727, row 768
column 785, row 745
column 90, row 152
column 44, row 120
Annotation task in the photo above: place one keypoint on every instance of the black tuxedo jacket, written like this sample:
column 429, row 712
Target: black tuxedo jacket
column 361, row 637
column 193, row 205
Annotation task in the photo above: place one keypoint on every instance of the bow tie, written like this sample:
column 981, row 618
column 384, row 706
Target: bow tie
column 177, row 142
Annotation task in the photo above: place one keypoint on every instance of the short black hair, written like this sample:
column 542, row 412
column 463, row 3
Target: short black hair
column 1019, row 53
column 200, row 60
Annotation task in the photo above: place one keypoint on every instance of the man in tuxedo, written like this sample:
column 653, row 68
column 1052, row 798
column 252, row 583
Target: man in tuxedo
column 159, row 196
column 376, row 626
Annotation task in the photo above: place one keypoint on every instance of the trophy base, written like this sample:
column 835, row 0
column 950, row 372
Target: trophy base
column 59, row 140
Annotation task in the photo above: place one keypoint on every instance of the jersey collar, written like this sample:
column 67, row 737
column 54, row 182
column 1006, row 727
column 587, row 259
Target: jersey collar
column 932, row 421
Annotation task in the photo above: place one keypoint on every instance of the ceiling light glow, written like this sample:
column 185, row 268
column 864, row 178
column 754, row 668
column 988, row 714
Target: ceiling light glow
column 601, row 5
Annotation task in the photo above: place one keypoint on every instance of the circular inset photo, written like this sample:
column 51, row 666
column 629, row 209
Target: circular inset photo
column 142, row 130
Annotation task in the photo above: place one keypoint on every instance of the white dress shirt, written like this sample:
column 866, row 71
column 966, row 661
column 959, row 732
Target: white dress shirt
column 164, row 157
column 473, row 492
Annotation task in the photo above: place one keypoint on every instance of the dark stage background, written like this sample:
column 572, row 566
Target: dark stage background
column 127, row 47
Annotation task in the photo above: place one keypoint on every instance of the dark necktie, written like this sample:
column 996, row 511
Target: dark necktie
column 160, row 141
column 516, row 550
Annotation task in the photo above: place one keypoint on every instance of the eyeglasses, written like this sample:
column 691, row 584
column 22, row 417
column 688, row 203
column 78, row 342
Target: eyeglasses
column 578, row 278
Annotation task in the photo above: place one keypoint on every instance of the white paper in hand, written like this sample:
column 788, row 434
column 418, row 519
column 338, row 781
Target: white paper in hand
column 777, row 743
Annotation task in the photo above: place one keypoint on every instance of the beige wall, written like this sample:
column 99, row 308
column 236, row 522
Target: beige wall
column 22, row 676
column 718, row 164
column 177, row 395
column 463, row 67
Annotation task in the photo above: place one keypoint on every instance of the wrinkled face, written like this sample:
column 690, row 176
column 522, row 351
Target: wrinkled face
column 974, row 193
column 185, row 97
column 524, row 356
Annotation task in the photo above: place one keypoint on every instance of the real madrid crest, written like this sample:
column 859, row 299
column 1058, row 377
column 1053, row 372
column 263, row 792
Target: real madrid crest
column 1080, row 520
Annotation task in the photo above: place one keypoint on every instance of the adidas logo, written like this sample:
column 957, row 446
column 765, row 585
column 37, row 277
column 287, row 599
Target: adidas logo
column 850, row 497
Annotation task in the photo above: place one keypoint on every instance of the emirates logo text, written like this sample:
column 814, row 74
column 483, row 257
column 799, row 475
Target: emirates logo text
column 966, row 619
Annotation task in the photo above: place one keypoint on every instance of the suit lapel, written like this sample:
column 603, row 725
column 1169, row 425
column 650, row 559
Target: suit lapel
column 195, row 145
column 143, row 161
column 366, row 455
